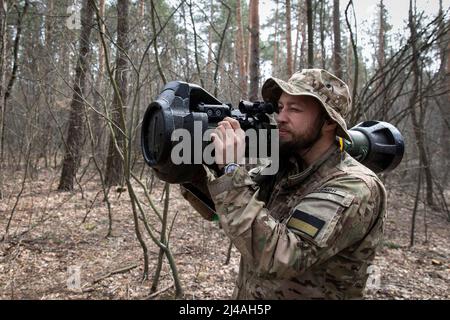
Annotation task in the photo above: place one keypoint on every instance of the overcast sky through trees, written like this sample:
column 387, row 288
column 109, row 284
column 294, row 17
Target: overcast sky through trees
column 366, row 12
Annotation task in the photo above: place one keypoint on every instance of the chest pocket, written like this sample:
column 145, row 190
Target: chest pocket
column 319, row 215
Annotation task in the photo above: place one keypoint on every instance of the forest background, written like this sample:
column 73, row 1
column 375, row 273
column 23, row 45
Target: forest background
column 82, row 216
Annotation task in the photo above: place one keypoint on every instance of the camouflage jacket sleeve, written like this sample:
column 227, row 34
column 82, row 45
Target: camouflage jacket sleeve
column 320, row 225
column 197, row 194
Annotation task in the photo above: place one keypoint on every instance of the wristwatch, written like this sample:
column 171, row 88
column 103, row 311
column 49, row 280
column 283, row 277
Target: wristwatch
column 231, row 167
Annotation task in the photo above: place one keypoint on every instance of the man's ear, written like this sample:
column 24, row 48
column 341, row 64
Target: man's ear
column 329, row 125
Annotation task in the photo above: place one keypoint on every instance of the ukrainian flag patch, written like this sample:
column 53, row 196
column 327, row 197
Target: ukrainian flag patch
column 306, row 223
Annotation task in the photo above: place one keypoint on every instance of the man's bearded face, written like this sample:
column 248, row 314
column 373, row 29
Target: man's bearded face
column 300, row 120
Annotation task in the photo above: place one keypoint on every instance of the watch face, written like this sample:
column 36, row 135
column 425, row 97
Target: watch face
column 231, row 167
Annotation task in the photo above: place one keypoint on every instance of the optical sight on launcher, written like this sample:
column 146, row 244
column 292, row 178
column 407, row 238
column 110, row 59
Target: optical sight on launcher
column 377, row 145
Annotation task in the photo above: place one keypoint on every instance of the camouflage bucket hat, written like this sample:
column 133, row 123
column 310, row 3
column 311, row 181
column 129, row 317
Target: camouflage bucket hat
column 331, row 91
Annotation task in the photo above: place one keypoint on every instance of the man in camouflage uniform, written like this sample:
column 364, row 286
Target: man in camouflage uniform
column 311, row 230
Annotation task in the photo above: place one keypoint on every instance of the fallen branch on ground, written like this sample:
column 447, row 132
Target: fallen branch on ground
column 117, row 271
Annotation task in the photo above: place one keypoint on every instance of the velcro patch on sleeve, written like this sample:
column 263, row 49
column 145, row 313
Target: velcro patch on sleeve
column 318, row 215
column 306, row 223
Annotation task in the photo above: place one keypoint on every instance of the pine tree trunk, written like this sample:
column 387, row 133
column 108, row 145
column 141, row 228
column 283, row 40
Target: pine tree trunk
column 209, row 63
column 290, row 67
column 115, row 161
column 337, row 61
column 187, row 53
column 298, row 32
column 75, row 134
column 6, row 91
column 322, row 34
column 447, row 115
column 309, row 13
column 2, row 81
column 303, row 46
column 99, row 81
column 275, row 61
column 381, row 37
column 240, row 52
column 254, row 50
column 381, row 59
column 48, row 25
column 415, row 101
column 444, row 71
column 355, row 112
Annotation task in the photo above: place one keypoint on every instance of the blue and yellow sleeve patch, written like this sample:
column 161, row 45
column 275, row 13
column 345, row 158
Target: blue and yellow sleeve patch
column 305, row 223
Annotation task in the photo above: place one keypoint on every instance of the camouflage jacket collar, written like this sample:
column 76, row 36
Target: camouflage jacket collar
column 331, row 158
